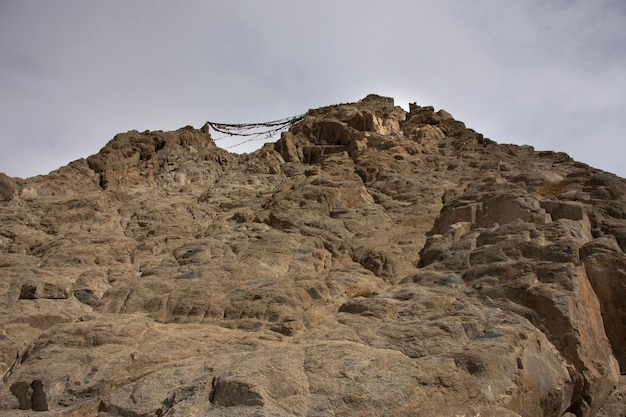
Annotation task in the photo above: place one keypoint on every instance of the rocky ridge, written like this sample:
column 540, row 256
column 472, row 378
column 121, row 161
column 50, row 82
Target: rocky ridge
column 370, row 262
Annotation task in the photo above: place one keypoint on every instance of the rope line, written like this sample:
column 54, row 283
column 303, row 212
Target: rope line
column 253, row 131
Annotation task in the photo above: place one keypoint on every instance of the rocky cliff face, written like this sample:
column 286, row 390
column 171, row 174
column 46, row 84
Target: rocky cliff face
column 371, row 262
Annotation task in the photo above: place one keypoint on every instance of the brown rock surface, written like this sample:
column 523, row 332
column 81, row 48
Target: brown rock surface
column 371, row 262
column 7, row 187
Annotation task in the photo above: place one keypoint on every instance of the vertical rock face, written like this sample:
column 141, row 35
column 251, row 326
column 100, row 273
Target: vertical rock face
column 7, row 188
column 370, row 262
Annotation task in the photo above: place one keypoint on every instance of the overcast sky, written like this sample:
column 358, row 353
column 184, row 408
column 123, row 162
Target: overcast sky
column 73, row 73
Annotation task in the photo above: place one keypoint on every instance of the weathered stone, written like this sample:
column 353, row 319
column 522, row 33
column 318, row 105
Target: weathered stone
column 7, row 187
column 616, row 404
column 605, row 265
column 371, row 262
column 460, row 211
column 231, row 392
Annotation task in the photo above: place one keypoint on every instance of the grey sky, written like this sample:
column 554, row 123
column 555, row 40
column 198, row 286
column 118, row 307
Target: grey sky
column 75, row 73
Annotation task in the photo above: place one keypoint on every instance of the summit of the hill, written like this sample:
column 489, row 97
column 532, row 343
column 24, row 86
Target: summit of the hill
column 372, row 261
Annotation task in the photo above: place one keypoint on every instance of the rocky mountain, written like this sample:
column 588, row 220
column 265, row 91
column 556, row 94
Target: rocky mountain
column 371, row 262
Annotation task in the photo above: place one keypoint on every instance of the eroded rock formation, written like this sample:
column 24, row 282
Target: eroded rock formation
column 370, row 262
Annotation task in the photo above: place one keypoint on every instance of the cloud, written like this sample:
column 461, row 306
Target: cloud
column 77, row 73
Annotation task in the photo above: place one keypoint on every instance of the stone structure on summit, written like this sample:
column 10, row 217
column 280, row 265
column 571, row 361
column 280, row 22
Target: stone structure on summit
column 370, row 262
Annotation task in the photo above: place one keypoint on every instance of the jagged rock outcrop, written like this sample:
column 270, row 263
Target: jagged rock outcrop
column 370, row 262
column 7, row 188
